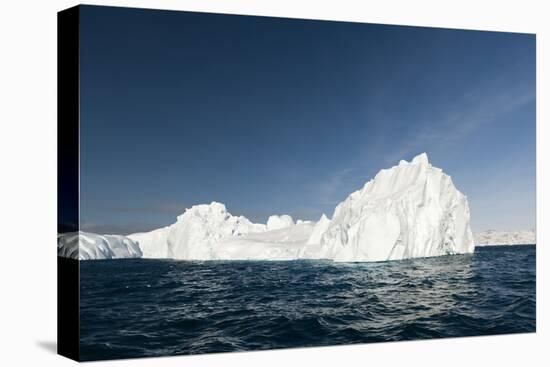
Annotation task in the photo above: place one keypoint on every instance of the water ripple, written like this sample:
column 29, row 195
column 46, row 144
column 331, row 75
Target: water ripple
column 137, row 307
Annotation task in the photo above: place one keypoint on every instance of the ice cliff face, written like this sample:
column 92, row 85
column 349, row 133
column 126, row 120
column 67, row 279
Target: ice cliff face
column 320, row 228
column 91, row 246
column 153, row 244
column 312, row 247
column 492, row 237
column 410, row 210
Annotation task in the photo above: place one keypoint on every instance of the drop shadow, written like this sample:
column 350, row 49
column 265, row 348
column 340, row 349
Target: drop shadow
column 48, row 345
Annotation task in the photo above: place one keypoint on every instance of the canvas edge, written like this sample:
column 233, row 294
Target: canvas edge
column 68, row 168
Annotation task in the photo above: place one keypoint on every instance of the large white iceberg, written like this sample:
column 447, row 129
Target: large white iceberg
column 90, row 246
column 408, row 211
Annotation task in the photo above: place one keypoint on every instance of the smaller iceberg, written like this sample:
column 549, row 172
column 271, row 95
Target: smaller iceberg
column 90, row 246
column 495, row 238
column 278, row 244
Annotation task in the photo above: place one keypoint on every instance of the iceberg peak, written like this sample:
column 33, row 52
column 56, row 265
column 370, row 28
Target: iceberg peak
column 421, row 159
column 214, row 208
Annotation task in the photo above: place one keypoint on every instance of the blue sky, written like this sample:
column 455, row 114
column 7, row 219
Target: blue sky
column 273, row 116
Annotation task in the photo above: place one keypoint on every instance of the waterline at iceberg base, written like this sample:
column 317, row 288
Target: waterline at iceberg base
column 411, row 210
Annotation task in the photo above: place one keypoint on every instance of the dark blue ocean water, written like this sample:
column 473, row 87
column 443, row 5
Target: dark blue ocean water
column 140, row 307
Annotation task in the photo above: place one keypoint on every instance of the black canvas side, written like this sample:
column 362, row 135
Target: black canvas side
column 68, row 288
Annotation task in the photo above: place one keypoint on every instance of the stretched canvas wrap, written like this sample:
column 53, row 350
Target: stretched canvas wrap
column 240, row 183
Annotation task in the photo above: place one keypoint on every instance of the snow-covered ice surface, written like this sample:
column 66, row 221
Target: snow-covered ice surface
column 407, row 211
column 492, row 237
column 410, row 210
column 91, row 246
column 280, row 244
column 153, row 244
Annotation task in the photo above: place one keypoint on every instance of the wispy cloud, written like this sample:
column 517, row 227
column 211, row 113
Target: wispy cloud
column 474, row 110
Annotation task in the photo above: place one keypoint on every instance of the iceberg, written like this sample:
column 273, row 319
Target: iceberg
column 410, row 210
column 90, row 246
column 492, row 237
column 407, row 211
